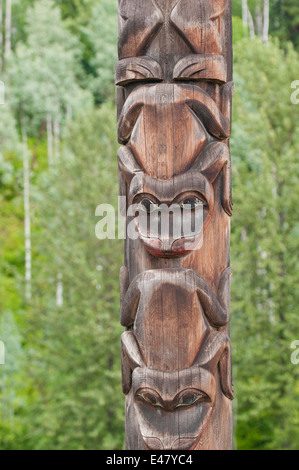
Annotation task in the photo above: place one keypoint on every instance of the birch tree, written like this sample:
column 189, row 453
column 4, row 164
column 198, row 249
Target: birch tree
column 7, row 47
column 1, row 35
column 27, row 216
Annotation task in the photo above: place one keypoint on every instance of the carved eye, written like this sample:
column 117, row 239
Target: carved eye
column 191, row 202
column 151, row 398
column 147, row 205
column 190, row 398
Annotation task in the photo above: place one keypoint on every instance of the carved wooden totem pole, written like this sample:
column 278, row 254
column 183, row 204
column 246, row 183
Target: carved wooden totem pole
column 174, row 82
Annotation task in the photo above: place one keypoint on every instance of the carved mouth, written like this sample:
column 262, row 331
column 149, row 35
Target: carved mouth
column 171, row 249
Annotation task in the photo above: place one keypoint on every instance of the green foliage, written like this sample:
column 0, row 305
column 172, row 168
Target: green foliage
column 239, row 32
column 43, row 71
column 80, row 404
column 101, row 34
column 264, row 246
column 285, row 20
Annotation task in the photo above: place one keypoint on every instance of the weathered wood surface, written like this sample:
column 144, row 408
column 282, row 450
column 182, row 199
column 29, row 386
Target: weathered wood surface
column 174, row 80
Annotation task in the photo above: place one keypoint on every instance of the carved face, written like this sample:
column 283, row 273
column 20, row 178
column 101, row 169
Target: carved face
column 172, row 215
column 171, row 409
column 172, row 416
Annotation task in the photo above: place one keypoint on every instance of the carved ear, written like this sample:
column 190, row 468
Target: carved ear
column 130, row 304
column 226, row 93
column 215, row 309
column 127, row 164
column 215, row 159
column 131, row 359
column 217, row 9
column 124, row 282
column 129, row 115
column 224, row 289
column 217, row 352
column 207, row 110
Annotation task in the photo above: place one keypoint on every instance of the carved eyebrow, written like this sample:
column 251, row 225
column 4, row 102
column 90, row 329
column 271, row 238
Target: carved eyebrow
column 201, row 67
column 137, row 69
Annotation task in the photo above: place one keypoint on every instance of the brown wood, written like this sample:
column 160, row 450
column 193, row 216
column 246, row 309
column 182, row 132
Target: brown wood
column 174, row 79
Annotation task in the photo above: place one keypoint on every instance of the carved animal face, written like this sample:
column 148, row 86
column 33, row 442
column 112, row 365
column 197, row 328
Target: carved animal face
column 173, row 409
column 172, row 215
column 170, row 410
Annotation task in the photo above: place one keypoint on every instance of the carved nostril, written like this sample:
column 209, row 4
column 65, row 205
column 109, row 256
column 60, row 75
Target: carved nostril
column 184, row 444
column 153, row 443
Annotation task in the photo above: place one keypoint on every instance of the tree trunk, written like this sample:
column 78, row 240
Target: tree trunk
column 266, row 21
column 7, row 48
column 50, row 140
column 251, row 25
column 59, row 291
column 28, row 258
column 174, row 79
column 1, row 36
column 56, row 139
column 245, row 13
column 259, row 20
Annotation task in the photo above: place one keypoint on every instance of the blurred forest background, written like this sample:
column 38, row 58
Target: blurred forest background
column 59, row 295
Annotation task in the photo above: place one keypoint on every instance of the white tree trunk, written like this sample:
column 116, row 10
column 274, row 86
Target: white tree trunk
column 28, row 258
column 50, row 139
column 59, row 291
column 1, row 35
column 266, row 21
column 56, row 138
column 7, row 47
column 251, row 24
column 245, row 13
column 69, row 113
column 259, row 20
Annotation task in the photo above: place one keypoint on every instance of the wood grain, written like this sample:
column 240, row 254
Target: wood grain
column 174, row 80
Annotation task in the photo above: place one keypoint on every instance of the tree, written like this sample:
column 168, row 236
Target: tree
column 264, row 246
column 44, row 72
column 101, row 34
column 75, row 360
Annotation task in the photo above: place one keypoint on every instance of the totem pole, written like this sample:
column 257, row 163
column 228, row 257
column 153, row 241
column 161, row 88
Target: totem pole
column 174, row 84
